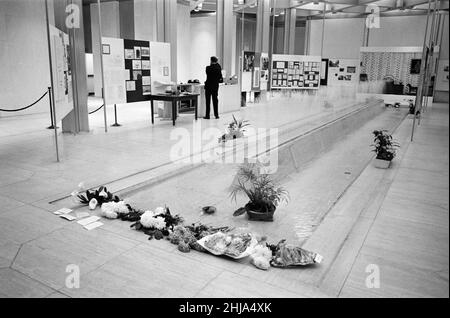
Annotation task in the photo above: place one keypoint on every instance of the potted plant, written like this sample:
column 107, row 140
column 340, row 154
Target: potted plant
column 263, row 193
column 235, row 130
column 385, row 148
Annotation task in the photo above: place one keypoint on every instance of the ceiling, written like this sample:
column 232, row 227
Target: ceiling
column 333, row 8
column 315, row 9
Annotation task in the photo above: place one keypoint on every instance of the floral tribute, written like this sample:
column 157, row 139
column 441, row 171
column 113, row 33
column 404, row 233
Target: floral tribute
column 162, row 224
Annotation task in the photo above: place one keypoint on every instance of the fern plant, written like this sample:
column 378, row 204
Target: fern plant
column 263, row 192
column 235, row 130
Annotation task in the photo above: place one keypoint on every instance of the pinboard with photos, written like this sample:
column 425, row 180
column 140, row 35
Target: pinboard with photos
column 296, row 71
column 137, row 63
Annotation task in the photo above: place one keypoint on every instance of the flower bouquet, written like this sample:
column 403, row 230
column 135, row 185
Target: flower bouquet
column 94, row 198
column 236, row 246
column 286, row 255
column 158, row 224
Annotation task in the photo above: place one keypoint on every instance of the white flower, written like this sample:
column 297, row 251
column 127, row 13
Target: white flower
column 81, row 187
column 149, row 221
column 93, row 204
column 103, row 194
column 261, row 257
column 112, row 210
column 160, row 211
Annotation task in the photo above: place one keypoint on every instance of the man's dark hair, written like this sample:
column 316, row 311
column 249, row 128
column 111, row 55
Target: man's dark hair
column 214, row 59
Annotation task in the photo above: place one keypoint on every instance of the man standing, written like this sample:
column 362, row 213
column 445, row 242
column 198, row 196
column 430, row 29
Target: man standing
column 213, row 78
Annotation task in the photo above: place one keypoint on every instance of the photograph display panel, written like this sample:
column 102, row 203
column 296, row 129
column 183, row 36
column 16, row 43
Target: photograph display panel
column 296, row 71
column 343, row 71
column 137, row 63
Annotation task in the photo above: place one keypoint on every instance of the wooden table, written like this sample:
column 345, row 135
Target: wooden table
column 174, row 99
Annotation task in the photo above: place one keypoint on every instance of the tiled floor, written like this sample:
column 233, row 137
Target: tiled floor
column 396, row 219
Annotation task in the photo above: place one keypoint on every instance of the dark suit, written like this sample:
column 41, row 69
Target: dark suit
column 213, row 78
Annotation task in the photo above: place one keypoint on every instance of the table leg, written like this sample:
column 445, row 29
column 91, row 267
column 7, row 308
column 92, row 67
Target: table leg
column 174, row 112
column 196, row 107
column 153, row 112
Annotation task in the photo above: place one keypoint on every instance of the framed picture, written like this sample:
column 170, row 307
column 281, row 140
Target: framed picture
column 351, row 69
column 165, row 71
column 131, row 86
column 249, row 61
column 146, row 90
column 129, row 54
column 137, row 65
column 256, row 78
column 106, row 49
column 415, row 66
column 137, row 52
column 145, row 51
column 280, row 64
column 333, row 63
column 146, row 80
column 145, row 64
column 137, row 75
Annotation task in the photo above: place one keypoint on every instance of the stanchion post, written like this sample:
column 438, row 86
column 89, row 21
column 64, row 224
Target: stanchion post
column 52, row 92
column 49, row 92
column 116, row 124
column 56, row 132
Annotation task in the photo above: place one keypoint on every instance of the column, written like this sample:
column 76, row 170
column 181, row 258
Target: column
column 224, row 38
column 290, row 18
column 110, row 16
column 263, row 26
column 145, row 20
column 166, row 26
column 77, row 120
column 126, row 15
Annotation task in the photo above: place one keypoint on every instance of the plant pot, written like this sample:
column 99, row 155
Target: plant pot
column 382, row 164
column 233, row 143
column 260, row 216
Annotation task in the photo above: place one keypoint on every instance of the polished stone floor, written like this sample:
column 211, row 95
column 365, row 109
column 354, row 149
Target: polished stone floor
column 351, row 213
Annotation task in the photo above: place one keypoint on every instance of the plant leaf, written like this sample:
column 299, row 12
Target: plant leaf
column 240, row 211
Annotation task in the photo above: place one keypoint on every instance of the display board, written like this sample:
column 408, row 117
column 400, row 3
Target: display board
column 379, row 63
column 134, row 69
column 248, row 68
column 115, row 74
column 256, row 75
column 62, row 73
column 265, row 66
column 343, row 72
column 442, row 76
column 137, row 62
column 295, row 71
column 160, row 64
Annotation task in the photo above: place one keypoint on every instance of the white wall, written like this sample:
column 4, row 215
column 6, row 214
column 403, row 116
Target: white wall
column 343, row 38
column 203, row 45
column 183, row 43
column 24, row 69
column 110, row 28
column 399, row 31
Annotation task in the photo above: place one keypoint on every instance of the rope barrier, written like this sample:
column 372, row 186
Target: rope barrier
column 23, row 108
column 97, row 110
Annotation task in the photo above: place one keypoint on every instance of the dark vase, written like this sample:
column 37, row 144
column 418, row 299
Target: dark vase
column 255, row 215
